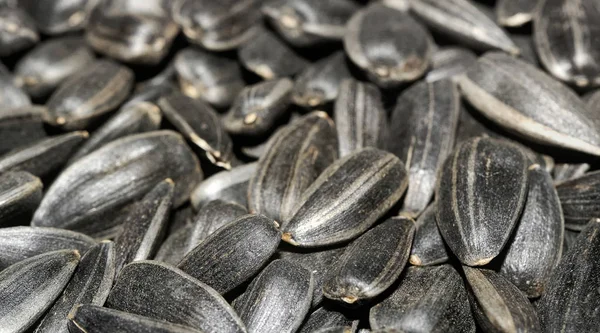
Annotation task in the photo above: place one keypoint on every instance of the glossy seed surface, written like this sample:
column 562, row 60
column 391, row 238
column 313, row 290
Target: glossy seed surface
column 428, row 247
column 578, row 199
column 515, row 13
column 55, row 17
column 17, row 31
column 229, row 185
column 449, row 62
column 323, row 318
column 20, row 194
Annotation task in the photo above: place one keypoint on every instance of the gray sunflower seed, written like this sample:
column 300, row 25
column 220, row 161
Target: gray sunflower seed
column 360, row 118
column 229, row 185
column 319, row 83
column 17, row 31
column 210, row 218
column 579, row 199
column 42, row 157
column 428, row 299
column 159, row 291
column 309, row 22
column 450, row 62
column 199, row 123
column 536, row 246
column 95, row 319
column 481, row 191
column 347, row 198
column 258, row 107
column 570, row 302
column 145, row 225
column 570, row 237
column 428, row 247
column 269, row 57
column 115, row 175
column 462, row 20
column 20, row 243
column 85, row 96
column 371, row 263
column 55, row 17
column 90, row 284
column 400, row 52
column 564, row 37
column 318, row 263
column 277, row 300
column 28, row 288
column 11, row 96
column 515, row 13
column 224, row 259
column 323, row 318
column 217, row 25
column 20, row 194
column 296, row 155
column 49, row 64
column 422, row 131
column 208, row 76
column 470, row 127
column 132, row 118
column 498, row 305
column 563, row 121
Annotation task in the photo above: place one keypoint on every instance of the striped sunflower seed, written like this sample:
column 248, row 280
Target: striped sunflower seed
column 11, row 96
column 515, row 13
column 228, row 185
column 89, row 94
column 200, row 124
column 90, row 284
column 20, row 195
column 28, row 288
column 277, row 300
column 360, row 118
column 295, row 157
column 567, row 171
column 570, row 237
column 323, row 318
column 20, row 127
column 180, row 299
column 20, row 243
column 579, row 199
column 54, row 17
column 428, row 247
column 17, row 31
column 346, row 199
column 428, row 299
column 94, row 187
column 371, row 263
column 481, row 191
column 400, row 52
column 450, row 62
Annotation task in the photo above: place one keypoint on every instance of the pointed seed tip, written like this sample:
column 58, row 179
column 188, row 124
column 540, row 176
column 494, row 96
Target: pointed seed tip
column 350, row 299
column 288, row 238
column 415, row 260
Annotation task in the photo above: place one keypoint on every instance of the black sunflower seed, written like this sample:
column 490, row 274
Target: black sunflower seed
column 567, row 171
column 428, row 246
column 17, row 30
column 20, row 195
column 11, row 96
column 55, row 17
column 228, row 185
column 579, row 199
column 323, row 318
column 450, row 62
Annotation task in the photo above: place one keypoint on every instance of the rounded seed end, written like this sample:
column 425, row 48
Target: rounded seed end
column 250, row 119
column 415, row 260
column 482, row 262
column 170, row 181
column 60, row 120
column 277, row 225
column 350, row 299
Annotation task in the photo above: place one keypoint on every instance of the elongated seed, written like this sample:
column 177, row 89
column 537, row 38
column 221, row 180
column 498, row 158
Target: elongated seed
column 323, row 318
column 229, row 185
column 450, row 62
column 20, row 194
column 578, row 198
column 55, row 17
column 17, row 30
column 428, row 247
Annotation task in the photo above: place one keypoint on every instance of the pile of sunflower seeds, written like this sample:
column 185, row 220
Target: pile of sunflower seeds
column 273, row 166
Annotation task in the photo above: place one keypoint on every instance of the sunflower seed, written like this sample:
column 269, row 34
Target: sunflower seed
column 181, row 299
column 210, row 218
column 277, row 300
column 450, row 62
column 422, row 130
column 371, row 263
column 11, row 96
column 115, row 175
column 199, row 123
column 296, row 155
column 428, row 247
column 481, row 191
column 400, row 51
column 570, row 301
column 515, row 13
column 217, row 25
column 309, row 22
column 17, row 31
column 93, row 92
column 360, row 119
column 224, row 259
column 336, row 329
column 324, row 318
column 20, row 243
column 564, row 37
column 563, row 121
column 28, row 288
column 498, row 305
column 527, row 47
column 145, row 225
column 536, row 246
column 90, row 284
column 570, row 237
column 45, row 156
column 269, row 57
column 20, row 194
column 55, row 17
column 180, row 218
column 579, row 199
column 95, row 319
column 132, row 118
column 258, row 107
column 255, row 151
column 428, row 299
column 229, row 185
column 319, row 83
column 207, row 76
column 463, row 21
column 347, row 198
